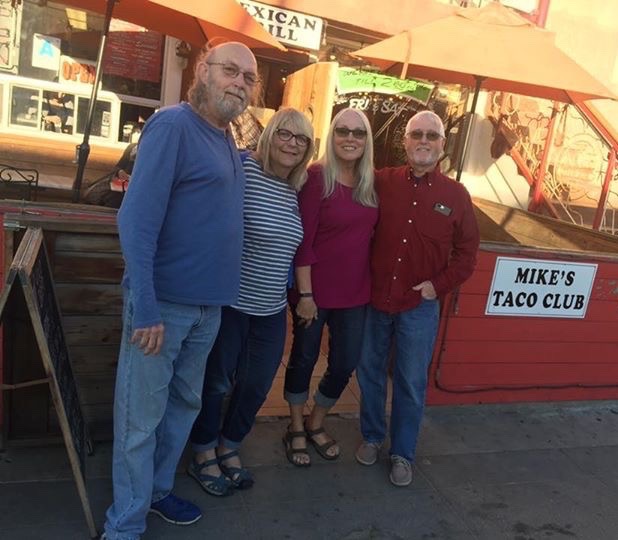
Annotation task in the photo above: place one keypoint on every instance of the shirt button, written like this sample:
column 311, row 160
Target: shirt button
column 399, row 259
column 394, row 277
column 409, row 221
column 405, row 240
column 414, row 203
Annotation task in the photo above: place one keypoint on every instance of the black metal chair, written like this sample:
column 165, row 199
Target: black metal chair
column 19, row 181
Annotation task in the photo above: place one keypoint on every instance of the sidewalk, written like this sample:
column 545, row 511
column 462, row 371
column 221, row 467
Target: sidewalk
column 490, row 472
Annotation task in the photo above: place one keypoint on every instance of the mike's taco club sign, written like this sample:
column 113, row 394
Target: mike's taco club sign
column 540, row 288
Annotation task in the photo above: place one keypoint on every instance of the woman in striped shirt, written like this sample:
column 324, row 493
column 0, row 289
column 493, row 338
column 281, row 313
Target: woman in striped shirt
column 249, row 346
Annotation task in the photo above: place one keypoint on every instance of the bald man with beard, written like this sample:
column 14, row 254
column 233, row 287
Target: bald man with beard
column 180, row 227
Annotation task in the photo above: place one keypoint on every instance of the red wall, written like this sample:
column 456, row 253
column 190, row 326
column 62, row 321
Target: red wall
column 483, row 359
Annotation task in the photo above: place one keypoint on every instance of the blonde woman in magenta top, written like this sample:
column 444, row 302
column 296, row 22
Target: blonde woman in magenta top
column 338, row 208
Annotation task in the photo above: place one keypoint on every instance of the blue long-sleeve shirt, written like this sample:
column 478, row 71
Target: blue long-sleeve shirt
column 181, row 222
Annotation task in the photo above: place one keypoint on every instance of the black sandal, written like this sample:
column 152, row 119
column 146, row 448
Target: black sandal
column 322, row 448
column 290, row 451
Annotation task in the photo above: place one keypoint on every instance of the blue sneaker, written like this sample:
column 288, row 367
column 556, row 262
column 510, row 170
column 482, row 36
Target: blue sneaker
column 176, row 510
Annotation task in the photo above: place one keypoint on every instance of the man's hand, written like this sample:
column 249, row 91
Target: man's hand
column 150, row 339
column 427, row 290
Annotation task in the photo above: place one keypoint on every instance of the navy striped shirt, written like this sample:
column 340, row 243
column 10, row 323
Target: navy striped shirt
column 273, row 231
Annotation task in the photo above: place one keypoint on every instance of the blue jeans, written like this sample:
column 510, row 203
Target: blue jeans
column 156, row 401
column 243, row 360
column 345, row 327
column 414, row 334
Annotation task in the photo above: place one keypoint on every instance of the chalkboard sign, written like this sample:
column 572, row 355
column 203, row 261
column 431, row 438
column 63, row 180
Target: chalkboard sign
column 30, row 268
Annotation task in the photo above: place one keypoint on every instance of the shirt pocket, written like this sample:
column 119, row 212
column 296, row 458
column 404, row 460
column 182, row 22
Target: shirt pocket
column 435, row 226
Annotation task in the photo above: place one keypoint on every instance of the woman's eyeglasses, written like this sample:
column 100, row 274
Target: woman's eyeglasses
column 356, row 133
column 286, row 135
column 232, row 71
column 417, row 135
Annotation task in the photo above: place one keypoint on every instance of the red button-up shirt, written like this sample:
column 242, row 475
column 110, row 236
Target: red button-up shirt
column 426, row 231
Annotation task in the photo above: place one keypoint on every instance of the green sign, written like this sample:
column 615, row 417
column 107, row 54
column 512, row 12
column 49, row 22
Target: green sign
column 351, row 81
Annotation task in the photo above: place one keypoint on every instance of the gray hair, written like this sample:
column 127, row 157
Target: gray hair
column 427, row 114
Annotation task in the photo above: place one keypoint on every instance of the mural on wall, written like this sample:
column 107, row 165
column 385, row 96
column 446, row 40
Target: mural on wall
column 9, row 50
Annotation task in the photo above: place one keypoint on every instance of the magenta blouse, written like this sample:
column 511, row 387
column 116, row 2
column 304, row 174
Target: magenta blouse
column 336, row 243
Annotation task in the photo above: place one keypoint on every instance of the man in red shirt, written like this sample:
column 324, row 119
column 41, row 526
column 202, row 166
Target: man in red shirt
column 424, row 246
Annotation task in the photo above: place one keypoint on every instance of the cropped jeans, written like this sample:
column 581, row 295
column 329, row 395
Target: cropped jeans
column 243, row 362
column 345, row 327
column 414, row 333
column 156, row 401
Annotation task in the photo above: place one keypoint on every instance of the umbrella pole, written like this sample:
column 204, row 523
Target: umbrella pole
column 477, row 90
column 83, row 149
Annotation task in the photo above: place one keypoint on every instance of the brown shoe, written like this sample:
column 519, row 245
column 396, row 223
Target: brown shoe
column 367, row 453
column 401, row 471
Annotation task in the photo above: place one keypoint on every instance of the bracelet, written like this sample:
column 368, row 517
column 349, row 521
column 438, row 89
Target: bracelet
column 306, row 294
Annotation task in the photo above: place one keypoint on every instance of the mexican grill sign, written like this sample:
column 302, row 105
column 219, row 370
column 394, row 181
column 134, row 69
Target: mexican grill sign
column 289, row 27
column 540, row 288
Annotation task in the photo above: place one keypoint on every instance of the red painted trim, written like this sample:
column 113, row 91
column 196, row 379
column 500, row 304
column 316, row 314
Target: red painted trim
column 542, row 11
column 537, row 198
column 523, row 167
column 609, row 174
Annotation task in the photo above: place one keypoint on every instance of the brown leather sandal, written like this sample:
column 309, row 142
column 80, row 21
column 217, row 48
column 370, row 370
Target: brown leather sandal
column 322, row 448
column 290, row 451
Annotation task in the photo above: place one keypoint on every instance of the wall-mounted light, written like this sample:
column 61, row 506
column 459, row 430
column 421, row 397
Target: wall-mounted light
column 183, row 49
column 183, row 52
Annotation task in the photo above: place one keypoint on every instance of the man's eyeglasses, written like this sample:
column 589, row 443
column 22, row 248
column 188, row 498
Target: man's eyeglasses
column 417, row 135
column 356, row 133
column 232, row 71
column 286, row 135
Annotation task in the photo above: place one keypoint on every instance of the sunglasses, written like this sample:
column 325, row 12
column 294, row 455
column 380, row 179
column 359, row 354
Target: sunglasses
column 356, row 133
column 417, row 135
column 285, row 136
column 232, row 71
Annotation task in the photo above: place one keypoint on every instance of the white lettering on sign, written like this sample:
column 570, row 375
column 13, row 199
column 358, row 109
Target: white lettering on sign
column 540, row 288
column 289, row 27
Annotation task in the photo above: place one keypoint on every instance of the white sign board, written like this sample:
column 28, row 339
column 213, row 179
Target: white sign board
column 540, row 288
column 46, row 52
column 289, row 27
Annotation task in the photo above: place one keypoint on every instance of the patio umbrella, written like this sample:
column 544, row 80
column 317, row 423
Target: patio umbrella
column 492, row 48
column 193, row 21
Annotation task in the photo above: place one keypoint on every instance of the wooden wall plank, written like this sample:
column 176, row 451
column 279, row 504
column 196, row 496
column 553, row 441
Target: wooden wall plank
column 524, row 352
column 87, row 268
column 511, row 329
column 89, row 299
column 99, row 330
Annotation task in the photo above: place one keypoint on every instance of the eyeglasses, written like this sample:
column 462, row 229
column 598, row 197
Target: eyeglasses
column 356, row 133
column 232, row 71
column 417, row 135
column 286, row 135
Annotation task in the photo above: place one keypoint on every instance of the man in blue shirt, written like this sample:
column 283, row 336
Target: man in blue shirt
column 180, row 228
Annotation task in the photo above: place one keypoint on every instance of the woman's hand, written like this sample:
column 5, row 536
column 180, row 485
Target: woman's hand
column 307, row 310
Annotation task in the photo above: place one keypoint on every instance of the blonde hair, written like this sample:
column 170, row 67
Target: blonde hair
column 364, row 192
column 296, row 122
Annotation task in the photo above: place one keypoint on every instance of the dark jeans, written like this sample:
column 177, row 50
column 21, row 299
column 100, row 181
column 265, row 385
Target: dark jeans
column 345, row 327
column 244, row 359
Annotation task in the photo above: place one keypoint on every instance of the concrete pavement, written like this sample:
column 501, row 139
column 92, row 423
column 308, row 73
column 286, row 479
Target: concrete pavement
column 487, row 472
